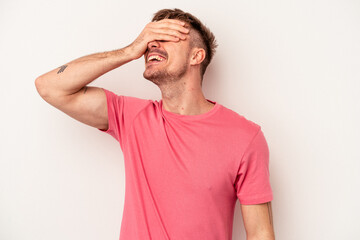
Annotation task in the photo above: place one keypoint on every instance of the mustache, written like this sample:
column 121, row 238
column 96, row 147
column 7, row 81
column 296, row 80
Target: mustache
column 158, row 51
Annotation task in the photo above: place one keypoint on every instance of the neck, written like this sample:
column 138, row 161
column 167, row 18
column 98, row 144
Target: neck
column 184, row 98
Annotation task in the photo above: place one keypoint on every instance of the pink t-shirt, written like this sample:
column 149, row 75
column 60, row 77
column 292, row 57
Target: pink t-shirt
column 184, row 173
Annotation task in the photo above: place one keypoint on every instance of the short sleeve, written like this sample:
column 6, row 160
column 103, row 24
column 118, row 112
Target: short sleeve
column 253, row 178
column 122, row 110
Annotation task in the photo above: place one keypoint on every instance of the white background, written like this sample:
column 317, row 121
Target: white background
column 293, row 67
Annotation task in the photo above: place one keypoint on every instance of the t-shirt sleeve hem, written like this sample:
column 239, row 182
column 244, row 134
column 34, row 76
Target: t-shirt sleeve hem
column 264, row 199
column 109, row 113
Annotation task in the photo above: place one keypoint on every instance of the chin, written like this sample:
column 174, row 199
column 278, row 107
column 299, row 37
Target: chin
column 152, row 74
column 153, row 77
column 159, row 76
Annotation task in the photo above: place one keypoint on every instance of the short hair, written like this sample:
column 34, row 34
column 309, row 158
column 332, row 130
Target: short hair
column 206, row 41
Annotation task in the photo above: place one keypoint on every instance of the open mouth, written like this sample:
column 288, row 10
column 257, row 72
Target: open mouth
column 155, row 59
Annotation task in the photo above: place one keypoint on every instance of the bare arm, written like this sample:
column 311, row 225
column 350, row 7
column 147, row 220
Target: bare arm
column 61, row 86
column 258, row 221
column 65, row 87
column 74, row 75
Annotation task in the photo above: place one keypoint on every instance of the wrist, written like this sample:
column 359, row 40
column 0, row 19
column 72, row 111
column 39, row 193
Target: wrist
column 128, row 52
column 118, row 57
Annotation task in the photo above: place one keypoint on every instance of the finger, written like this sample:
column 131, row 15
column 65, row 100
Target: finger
column 170, row 32
column 171, row 25
column 165, row 37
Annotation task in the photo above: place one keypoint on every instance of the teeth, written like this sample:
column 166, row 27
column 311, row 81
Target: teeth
column 157, row 57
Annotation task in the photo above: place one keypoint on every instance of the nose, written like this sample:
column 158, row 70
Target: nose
column 153, row 44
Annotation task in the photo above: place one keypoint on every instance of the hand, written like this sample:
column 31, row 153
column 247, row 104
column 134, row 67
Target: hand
column 163, row 30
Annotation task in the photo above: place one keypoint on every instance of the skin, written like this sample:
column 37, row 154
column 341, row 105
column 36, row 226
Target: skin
column 178, row 77
column 258, row 221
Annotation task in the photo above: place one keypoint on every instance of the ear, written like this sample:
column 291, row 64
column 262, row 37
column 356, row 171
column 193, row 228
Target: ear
column 197, row 56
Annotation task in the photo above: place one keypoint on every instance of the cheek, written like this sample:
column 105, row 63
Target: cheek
column 178, row 61
column 182, row 57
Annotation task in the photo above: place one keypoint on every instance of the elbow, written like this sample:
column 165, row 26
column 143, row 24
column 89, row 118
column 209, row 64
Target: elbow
column 39, row 84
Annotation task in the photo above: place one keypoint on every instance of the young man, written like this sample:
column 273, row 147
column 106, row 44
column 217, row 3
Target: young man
column 187, row 158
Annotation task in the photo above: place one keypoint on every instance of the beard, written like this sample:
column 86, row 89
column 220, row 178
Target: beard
column 161, row 76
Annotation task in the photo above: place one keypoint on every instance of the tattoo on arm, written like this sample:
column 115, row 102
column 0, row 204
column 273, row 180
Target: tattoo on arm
column 62, row 68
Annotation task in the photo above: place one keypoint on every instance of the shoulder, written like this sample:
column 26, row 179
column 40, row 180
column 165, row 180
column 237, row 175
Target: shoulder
column 239, row 122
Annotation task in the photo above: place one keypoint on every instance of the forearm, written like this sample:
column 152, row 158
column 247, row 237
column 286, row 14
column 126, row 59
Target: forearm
column 74, row 75
column 264, row 235
column 258, row 221
column 261, row 238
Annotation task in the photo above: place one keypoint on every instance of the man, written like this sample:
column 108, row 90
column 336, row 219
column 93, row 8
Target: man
column 187, row 158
